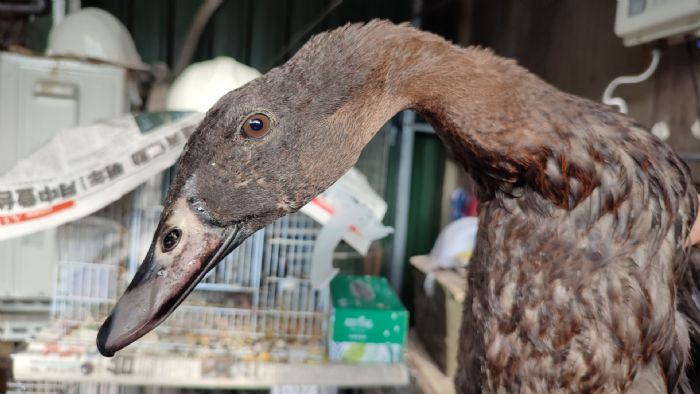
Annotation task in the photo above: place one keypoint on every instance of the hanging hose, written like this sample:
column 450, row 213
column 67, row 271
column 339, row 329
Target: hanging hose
column 199, row 22
column 619, row 102
column 157, row 96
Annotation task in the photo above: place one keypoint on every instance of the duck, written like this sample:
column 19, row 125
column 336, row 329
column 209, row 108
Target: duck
column 584, row 215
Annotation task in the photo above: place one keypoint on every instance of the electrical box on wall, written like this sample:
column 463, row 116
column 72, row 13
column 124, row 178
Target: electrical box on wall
column 641, row 21
column 40, row 95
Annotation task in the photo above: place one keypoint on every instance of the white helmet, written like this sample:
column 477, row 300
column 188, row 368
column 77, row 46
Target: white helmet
column 202, row 84
column 92, row 33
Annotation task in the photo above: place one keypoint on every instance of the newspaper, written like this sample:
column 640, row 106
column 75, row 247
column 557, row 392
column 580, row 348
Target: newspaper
column 352, row 195
column 83, row 169
column 349, row 210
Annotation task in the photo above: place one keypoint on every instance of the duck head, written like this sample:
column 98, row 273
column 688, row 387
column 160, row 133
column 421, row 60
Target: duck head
column 262, row 151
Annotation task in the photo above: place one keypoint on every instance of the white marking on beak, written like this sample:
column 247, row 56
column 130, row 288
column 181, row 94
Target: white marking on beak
column 192, row 229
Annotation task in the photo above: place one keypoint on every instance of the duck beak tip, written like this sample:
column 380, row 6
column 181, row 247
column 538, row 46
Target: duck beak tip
column 102, row 336
column 164, row 280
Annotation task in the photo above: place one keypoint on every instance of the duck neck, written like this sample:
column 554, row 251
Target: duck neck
column 492, row 115
column 502, row 123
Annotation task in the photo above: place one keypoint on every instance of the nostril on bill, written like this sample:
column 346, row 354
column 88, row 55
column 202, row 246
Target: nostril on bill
column 171, row 239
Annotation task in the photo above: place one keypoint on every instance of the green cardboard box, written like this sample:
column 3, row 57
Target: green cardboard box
column 368, row 321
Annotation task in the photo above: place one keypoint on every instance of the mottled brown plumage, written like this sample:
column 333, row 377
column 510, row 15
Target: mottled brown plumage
column 574, row 284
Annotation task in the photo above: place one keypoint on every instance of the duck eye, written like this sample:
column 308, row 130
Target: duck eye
column 256, row 125
column 171, row 239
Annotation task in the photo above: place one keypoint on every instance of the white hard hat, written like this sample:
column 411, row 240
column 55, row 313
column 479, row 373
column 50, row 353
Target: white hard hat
column 202, row 84
column 92, row 33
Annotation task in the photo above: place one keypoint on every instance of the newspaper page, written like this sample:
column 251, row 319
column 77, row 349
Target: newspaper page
column 83, row 169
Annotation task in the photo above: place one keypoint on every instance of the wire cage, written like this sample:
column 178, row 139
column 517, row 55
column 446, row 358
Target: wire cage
column 260, row 291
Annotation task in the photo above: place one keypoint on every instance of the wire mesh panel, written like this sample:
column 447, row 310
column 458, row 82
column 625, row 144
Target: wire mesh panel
column 260, row 290
column 91, row 254
column 210, row 320
column 237, row 272
column 292, row 307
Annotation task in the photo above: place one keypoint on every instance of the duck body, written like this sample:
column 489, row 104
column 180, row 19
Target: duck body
column 584, row 215
column 582, row 298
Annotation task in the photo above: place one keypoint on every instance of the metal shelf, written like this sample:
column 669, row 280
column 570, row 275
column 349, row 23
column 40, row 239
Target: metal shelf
column 211, row 373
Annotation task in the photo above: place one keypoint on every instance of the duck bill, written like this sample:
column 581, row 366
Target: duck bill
column 165, row 278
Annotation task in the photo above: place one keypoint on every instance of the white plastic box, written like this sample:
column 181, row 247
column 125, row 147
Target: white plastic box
column 38, row 97
column 641, row 21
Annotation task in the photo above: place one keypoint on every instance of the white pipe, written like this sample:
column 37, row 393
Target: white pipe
column 403, row 200
column 403, row 186
column 619, row 102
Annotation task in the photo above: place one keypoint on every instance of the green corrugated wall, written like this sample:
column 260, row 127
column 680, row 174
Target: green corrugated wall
column 251, row 31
